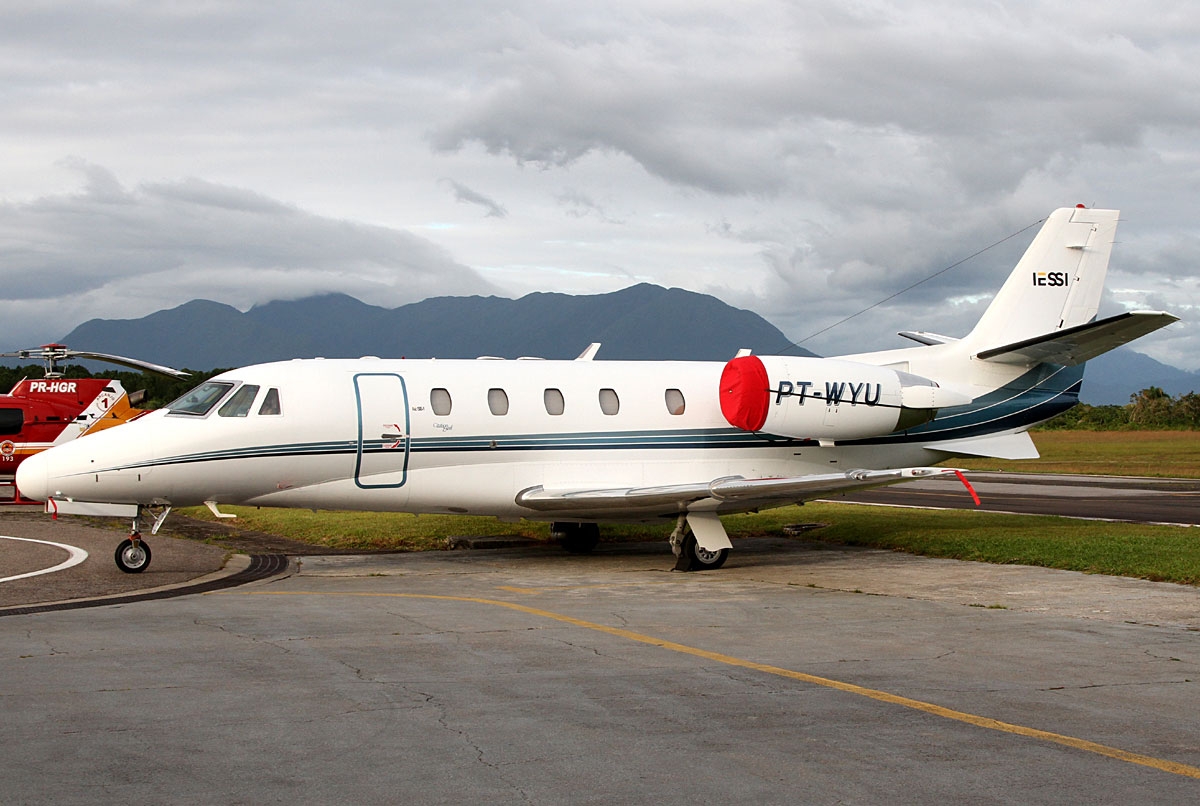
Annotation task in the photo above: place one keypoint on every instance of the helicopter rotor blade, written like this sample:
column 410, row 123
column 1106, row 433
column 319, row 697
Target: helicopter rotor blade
column 59, row 353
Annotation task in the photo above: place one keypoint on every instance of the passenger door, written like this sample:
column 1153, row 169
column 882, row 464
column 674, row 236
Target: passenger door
column 383, row 431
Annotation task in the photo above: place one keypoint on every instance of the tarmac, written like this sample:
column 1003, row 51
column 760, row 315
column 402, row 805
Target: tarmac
column 1174, row 502
column 799, row 673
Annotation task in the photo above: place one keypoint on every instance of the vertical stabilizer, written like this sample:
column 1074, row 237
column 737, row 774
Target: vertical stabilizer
column 1057, row 283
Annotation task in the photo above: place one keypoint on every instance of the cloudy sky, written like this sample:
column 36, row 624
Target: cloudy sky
column 802, row 160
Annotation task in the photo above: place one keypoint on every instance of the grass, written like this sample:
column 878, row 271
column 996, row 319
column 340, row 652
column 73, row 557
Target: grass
column 1161, row 553
column 1171, row 454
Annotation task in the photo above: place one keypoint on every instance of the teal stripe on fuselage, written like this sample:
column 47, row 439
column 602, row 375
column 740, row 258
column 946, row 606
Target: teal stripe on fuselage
column 1034, row 397
column 1044, row 392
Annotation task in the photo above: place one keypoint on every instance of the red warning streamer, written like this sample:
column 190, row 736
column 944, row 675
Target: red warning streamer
column 967, row 484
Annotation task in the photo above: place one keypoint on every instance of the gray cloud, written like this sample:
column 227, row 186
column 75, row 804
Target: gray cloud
column 468, row 196
column 799, row 159
column 165, row 243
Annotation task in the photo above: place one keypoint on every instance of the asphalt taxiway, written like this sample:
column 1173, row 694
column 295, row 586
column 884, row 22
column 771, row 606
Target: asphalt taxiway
column 798, row 673
column 1118, row 498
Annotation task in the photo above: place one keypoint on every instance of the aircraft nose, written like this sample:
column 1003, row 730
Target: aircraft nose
column 33, row 477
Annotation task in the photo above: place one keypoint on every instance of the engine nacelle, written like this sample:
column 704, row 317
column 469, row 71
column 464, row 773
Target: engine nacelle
column 826, row 399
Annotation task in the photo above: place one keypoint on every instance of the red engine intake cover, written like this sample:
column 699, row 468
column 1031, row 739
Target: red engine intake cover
column 745, row 393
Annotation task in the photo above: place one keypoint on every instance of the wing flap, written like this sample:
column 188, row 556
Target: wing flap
column 731, row 494
column 1074, row 345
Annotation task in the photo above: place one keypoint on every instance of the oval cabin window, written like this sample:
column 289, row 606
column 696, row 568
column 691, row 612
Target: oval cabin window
column 440, row 402
column 609, row 402
column 675, row 401
column 498, row 401
column 554, row 401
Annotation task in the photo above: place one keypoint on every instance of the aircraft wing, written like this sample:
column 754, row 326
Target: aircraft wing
column 729, row 494
column 1074, row 345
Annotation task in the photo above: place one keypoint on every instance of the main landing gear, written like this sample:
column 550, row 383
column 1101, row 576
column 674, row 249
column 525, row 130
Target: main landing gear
column 133, row 554
column 689, row 556
column 581, row 538
column 577, row 538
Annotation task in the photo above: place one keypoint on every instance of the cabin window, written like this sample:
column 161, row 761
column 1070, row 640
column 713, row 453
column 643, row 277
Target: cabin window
column 11, row 421
column 270, row 404
column 200, row 400
column 498, row 401
column 440, row 402
column 239, row 404
column 609, row 402
column 553, row 399
column 675, row 401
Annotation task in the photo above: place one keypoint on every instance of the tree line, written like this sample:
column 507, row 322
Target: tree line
column 1151, row 409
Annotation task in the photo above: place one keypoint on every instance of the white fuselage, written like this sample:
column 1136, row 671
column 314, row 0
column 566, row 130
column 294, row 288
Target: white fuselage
column 365, row 434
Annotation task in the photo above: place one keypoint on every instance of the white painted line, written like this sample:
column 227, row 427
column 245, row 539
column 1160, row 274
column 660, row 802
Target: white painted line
column 78, row 555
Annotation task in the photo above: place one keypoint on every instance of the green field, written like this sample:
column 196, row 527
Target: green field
column 1151, row 552
column 1171, row 454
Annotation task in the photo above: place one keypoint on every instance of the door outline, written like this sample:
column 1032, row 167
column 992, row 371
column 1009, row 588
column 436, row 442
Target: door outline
column 369, row 445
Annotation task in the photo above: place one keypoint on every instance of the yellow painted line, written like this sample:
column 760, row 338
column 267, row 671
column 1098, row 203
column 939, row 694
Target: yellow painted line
column 882, row 696
column 557, row 588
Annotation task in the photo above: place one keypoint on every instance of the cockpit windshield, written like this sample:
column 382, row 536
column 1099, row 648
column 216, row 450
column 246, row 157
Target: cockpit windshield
column 200, row 400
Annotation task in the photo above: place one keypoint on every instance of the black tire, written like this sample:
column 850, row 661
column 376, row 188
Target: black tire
column 577, row 538
column 698, row 559
column 132, row 559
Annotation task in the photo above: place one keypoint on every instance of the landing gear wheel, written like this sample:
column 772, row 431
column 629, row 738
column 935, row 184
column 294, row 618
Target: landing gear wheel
column 133, row 557
column 694, row 558
column 577, row 538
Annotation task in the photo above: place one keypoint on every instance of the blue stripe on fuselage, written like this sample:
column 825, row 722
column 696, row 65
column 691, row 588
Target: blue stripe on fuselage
column 1036, row 396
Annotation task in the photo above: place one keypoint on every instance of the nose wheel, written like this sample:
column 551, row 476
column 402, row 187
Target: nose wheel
column 133, row 555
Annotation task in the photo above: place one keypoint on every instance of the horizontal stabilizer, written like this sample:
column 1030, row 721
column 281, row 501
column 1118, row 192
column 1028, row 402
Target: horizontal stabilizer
column 1074, row 345
column 1001, row 446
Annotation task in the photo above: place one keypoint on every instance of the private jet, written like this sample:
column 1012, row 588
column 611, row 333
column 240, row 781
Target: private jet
column 583, row 442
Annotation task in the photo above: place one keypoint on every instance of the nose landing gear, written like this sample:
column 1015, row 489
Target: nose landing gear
column 133, row 554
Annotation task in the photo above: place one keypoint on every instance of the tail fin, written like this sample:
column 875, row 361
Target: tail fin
column 1057, row 283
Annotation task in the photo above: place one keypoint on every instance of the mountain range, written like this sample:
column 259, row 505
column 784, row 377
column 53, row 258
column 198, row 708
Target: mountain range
column 642, row 322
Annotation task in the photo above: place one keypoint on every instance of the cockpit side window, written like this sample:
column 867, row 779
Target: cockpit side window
column 240, row 402
column 200, row 400
column 270, row 404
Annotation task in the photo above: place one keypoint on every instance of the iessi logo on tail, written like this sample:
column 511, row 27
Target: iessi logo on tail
column 1051, row 278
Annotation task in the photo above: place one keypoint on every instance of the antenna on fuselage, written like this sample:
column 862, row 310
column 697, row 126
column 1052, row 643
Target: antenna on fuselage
column 590, row 352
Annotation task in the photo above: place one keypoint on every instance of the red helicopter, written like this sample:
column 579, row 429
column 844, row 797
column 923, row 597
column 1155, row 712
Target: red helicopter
column 51, row 410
